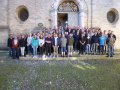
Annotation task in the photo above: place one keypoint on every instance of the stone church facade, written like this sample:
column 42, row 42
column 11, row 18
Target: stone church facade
column 22, row 16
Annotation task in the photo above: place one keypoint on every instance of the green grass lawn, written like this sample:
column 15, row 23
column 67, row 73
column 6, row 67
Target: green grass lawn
column 61, row 75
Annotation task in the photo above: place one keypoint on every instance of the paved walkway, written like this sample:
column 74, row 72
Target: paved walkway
column 4, row 54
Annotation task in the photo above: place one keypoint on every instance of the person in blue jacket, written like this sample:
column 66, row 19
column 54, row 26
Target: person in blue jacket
column 102, row 41
column 35, row 44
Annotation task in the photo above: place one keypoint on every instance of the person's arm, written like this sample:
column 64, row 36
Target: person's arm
column 84, row 40
column 115, row 37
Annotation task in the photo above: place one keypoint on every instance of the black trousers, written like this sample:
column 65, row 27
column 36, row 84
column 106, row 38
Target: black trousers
column 82, row 49
column 15, row 53
column 41, row 49
column 48, row 50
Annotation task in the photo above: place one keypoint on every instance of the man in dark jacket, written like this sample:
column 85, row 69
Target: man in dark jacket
column 48, row 45
column 95, row 42
column 82, row 41
column 111, row 42
column 9, row 44
column 70, row 45
column 56, row 44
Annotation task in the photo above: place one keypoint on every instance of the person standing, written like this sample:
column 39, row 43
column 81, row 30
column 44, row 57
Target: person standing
column 41, row 45
column 105, row 46
column 76, row 37
column 111, row 42
column 102, row 41
column 29, row 41
column 56, row 44
column 48, row 45
column 9, row 44
column 70, row 45
column 114, row 36
column 63, row 42
column 15, row 48
column 22, row 43
column 88, row 44
column 95, row 42
column 82, row 44
column 35, row 44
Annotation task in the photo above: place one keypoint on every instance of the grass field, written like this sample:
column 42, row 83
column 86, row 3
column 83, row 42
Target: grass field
column 60, row 75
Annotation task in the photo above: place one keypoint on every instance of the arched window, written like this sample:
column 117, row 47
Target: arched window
column 22, row 13
column 68, row 6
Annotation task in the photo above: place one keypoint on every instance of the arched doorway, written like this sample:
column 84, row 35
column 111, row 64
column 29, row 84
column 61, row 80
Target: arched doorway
column 67, row 14
column 79, row 17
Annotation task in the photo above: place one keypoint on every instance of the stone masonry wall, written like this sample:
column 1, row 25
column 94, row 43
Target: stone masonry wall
column 40, row 12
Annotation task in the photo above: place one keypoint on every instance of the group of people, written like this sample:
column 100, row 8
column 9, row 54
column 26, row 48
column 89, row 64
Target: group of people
column 62, row 42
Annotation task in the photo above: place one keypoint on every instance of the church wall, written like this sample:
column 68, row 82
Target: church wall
column 40, row 12
column 99, row 18
column 4, row 29
column 3, row 13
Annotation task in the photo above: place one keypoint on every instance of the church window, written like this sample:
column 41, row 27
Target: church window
column 112, row 16
column 22, row 13
column 68, row 6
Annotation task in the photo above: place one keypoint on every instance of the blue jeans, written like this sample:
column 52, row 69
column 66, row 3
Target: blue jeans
column 15, row 53
column 30, row 51
column 63, row 49
column 34, row 50
column 101, row 49
column 110, row 51
column 10, row 51
column 95, row 48
column 88, row 49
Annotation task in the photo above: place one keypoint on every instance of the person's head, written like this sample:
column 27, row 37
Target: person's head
column 41, row 36
column 66, row 33
column 109, row 31
column 105, row 31
column 88, row 34
column 35, row 36
column 22, row 36
column 11, row 36
column 55, row 34
column 111, row 35
column 49, row 35
column 29, row 35
column 82, row 34
column 95, row 33
column 60, row 35
column 70, row 35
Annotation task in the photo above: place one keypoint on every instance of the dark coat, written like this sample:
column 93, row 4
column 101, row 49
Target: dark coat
column 58, row 41
column 95, row 39
column 22, row 42
column 48, row 44
column 9, row 42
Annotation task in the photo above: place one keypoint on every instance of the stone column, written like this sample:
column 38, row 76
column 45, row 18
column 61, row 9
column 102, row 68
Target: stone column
column 54, row 18
column 81, row 15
